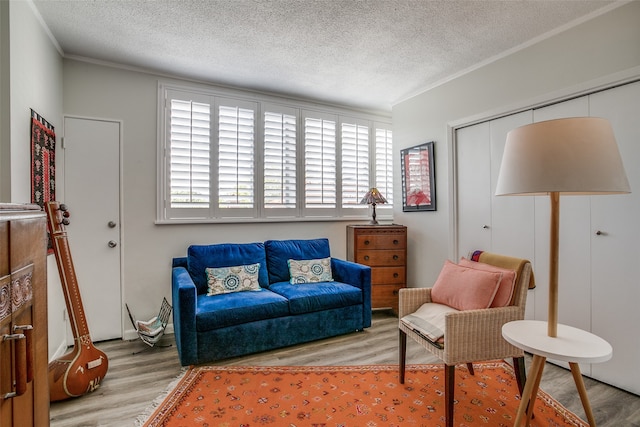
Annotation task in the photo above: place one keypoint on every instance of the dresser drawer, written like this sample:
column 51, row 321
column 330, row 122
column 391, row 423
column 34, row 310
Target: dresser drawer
column 381, row 241
column 380, row 258
column 387, row 275
column 384, row 249
column 385, row 296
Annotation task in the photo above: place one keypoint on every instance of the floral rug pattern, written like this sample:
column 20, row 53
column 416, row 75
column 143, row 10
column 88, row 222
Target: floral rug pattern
column 349, row 396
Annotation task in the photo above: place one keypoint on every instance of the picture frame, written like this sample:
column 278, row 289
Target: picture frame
column 418, row 178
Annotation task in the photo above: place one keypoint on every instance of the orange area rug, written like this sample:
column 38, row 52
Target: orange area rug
column 349, row 396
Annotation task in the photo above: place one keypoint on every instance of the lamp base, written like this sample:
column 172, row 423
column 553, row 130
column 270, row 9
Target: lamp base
column 373, row 216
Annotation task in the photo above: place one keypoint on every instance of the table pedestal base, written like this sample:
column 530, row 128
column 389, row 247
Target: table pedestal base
column 533, row 384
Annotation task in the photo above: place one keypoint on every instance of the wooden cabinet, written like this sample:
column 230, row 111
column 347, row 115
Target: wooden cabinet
column 384, row 249
column 24, row 389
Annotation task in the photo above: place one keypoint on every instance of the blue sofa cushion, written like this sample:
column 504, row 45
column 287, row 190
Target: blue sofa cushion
column 220, row 311
column 278, row 252
column 200, row 257
column 310, row 297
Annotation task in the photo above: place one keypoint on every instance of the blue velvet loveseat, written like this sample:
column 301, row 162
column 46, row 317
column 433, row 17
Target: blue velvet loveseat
column 276, row 313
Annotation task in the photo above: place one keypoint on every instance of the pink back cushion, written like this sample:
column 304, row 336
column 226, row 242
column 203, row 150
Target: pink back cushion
column 506, row 286
column 465, row 288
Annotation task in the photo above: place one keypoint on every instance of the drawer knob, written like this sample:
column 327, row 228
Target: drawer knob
column 395, row 241
column 395, row 257
column 366, row 257
column 396, row 292
column 395, row 275
column 366, row 242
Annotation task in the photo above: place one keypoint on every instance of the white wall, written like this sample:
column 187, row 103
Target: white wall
column 35, row 80
column 599, row 48
column 32, row 79
column 97, row 91
column 5, row 134
column 590, row 54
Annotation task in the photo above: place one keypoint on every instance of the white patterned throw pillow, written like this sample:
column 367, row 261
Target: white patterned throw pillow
column 224, row 280
column 310, row 270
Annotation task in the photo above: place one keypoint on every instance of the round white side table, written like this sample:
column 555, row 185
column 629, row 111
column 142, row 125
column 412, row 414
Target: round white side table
column 572, row 345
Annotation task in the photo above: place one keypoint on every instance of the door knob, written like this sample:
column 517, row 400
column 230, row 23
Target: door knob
column 111, row 224
column 112, row 244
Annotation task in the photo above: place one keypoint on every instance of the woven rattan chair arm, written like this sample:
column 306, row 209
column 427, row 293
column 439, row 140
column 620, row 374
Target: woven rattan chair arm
column 410, row 299
column 475, row 335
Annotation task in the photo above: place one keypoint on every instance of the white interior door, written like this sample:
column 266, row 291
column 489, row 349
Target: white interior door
column 473, row 160
column 92, row 195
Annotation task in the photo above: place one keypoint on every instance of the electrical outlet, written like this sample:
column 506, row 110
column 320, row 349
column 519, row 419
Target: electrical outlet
column 64, row 315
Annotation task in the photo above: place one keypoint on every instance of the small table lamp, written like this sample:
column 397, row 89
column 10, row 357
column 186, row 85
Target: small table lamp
column 372, row 198
column 574, row 156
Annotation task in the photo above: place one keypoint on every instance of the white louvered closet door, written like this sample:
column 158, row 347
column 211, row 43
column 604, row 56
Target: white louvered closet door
column 614, row 236
column 598, row 281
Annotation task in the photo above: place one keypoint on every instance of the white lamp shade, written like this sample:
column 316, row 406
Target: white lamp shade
column 578, row 155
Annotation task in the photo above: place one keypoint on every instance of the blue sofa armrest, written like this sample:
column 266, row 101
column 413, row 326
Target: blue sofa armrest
column 183, row 292
column 357, row 275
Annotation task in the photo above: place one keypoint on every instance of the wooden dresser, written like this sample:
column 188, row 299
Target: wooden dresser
column 384, row 249
column 24, row 388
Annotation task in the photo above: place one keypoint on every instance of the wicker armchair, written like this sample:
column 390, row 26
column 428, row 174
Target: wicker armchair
column 472, row 335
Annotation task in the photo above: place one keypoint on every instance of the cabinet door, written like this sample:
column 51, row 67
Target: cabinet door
column 6, row 364
column 614, row 251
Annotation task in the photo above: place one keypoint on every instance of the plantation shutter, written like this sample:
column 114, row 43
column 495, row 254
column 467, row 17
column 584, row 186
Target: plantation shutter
column 189, row 134
column 219, row 161
column 355, row 163
column 320, row 163
column 279, row 160
column 384, row 164
column 236, row 140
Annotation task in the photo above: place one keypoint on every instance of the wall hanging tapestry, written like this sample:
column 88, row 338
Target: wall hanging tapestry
column 349, row 396
column 43, row 156
column 43, row 162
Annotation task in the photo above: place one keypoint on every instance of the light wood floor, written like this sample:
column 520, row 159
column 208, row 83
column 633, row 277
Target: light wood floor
column 134, row 381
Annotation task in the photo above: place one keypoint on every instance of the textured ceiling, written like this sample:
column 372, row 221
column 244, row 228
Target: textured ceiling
column 368, row 54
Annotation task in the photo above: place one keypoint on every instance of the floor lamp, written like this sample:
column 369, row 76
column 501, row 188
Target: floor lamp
column 573, row 156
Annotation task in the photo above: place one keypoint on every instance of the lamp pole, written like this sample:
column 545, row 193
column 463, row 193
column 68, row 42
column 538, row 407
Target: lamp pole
column 554, row 240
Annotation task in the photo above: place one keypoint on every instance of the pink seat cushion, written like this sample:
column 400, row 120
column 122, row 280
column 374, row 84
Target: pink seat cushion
column 465, row 288
column 506, row 286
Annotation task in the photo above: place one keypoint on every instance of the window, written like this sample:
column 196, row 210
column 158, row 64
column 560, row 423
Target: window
column 320, row 182
column 233, row 156
column 355, row 163
column 279, row 161
column 236, row 144
column 190, row 126
column 384, row 164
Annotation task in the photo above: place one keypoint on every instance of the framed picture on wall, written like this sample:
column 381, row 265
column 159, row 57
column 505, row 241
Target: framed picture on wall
column 418, row 178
